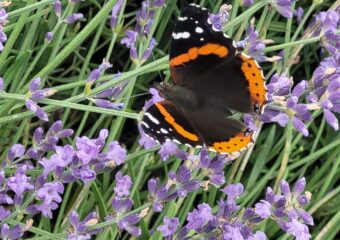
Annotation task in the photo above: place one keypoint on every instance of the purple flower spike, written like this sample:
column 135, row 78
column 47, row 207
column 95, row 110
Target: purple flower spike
column 108, row 104
column 50, row 192
column 300, row 126
column 263, row 209
column 130, row 38
column 247, row 3
column 49, row 36
column 298, row 14
column 57, row 8
column 284, row 7
column 169, row 227
column 115, row 12
column 299, row 230
column 79, row 230
column 233, row 191
column 1, row 84
column 74, row 17
column 35, row 84
column 10, row 233
column 331, row 119
column 146, row 141
column 38, row 111
column 170, row 148
column 4, row 213
column 123, row 185
column 16, row 151
column 116, row 153
column 19, row 184
column 199, row 217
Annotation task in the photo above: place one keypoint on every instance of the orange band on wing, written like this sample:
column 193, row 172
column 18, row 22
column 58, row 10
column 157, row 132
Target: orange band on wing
column 193, row 53
column 234, row 144
column 254, row 76
column 191, row 136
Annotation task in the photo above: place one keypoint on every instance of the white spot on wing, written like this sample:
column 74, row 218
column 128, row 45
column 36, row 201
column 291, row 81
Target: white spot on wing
column 202, row 39
column 182, row 19
column 164, row 131
column 199, row 30
column 180, row 35
column 146, row 125
column 154, row 120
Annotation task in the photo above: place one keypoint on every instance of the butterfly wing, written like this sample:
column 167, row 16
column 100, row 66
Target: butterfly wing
column 164, row 120
column 204, row 60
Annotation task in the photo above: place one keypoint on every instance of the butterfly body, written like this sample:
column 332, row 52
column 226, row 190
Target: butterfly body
column 211, row 79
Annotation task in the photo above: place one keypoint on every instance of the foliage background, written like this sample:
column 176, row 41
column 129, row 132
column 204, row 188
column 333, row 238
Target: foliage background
column 76, row 49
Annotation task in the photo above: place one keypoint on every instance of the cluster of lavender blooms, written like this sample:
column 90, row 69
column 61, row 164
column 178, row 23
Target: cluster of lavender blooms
column 142, row 30
column 122, row 204
column 57, row 7
column 58, row 164
column 321, row 92
column 3, row 22
column 104, row 99
column 231, row 222
column 35, row 94
column 283, row 7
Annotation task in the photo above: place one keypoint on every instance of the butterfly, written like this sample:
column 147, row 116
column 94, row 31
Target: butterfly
column 211, row 79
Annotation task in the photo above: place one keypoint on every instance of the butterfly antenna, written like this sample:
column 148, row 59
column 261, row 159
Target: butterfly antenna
column 136, row 95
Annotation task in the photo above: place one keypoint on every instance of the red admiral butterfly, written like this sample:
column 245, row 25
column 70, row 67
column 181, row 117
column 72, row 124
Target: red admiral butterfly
column 210, row 78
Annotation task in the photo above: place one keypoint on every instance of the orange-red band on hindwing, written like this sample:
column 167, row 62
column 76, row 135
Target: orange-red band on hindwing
column 254, row 76
column 179, row 129
column 234, row 144
column 193, row 53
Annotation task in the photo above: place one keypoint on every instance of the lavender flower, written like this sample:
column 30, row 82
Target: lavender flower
column 1, row 84
column 114, row 13
column 199, row 217
column 6, row 232
column 212, row 167
column 95, row 75
column 73, row 18
column 108, row 104
column 254, row 46
column 3, row 22
column 123, row 185
column 326, row 24
column 169, row 227
column 247, row 3
column 16, row 151
column 219, row 19
column 182, row 181
column 129, row 41
column 79, row 228
column 284, row 7
column 35, row 94
column 57, row 8
column 148, row 51
column 19, row 184
column 49, row 36
column 298, row 14
column 170, row 148
column 159, row 194
column 4, row 213
column 279, row 88
column 128, row 223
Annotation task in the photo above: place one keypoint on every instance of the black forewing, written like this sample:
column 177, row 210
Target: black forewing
column 215, row 78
